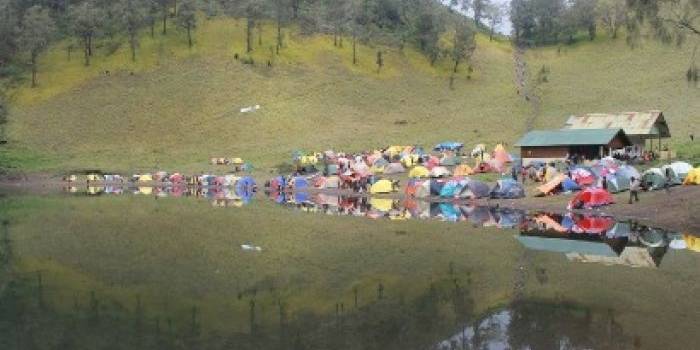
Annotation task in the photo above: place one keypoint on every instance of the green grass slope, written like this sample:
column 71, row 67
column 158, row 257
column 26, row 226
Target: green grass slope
column 175, row 108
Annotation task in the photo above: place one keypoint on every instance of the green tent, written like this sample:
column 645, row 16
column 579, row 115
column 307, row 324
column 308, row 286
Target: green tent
column 617, row 184
column 653, row 179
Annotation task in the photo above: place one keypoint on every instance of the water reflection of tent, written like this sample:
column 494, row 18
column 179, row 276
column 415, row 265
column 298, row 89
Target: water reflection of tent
column 508, row 189
column 509, row 218
column 474, row 190
column 450, row 212
column 419, row 172
column 381, row 204
column 593, row 225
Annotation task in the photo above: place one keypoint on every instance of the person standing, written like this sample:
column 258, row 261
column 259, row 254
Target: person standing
column 634, row 189
column 669, row 180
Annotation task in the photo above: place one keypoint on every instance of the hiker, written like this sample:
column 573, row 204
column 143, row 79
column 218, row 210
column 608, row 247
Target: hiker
column 634, row 189
column 523, row 174
column 605, row 183
column 514, row 173
column 669, row 180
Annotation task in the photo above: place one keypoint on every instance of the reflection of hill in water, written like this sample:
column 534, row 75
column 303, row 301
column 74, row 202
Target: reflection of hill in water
column 133, row 262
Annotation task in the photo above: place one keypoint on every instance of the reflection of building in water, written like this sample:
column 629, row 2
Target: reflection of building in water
column 597, row 239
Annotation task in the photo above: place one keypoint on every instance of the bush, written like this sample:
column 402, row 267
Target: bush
column 248, row 60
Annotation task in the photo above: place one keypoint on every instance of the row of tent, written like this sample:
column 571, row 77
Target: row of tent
column 241, row 193
column 174, row 179
column 464, row 188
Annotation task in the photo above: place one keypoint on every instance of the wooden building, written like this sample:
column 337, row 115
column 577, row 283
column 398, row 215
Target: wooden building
column 558, row 145
column 641, row 128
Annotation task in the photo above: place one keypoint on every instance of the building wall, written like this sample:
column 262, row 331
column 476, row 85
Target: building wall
column 544, row 152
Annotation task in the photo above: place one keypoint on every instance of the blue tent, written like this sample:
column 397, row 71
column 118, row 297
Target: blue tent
column 567, row 222
column 300, row 183
column 451, row 189
column 301, row 197
column 569, row 185
column 508, row 188
column 448, row 146
column 436, row 187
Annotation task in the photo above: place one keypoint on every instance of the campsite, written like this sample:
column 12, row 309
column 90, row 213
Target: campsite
column 349, row 174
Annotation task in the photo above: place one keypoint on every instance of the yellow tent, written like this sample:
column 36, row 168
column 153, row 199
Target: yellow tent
column 305, row 160
column 145, row 178
column 394, row 150
column 410, row 160
column 94, row 190
column 419, row 171
column 463, row 170
column 551, row 174
column 692, row 242
column 94, row 177
column 693, row 177
column 382, row 186
column 236, row 161
column 376, row 169
column 146, row 190
column 381, row 204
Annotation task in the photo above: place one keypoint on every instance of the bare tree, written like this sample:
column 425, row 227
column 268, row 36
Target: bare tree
column 132, row 16
column 187, row 18
column 87, row 18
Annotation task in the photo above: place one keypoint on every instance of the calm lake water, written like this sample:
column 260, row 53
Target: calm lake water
column 181, row 270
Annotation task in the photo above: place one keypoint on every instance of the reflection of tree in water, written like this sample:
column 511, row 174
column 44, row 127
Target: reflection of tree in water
column 539, row 325
column 95, row 322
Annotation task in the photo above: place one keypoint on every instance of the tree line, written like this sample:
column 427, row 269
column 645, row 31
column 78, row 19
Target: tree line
column 28, row 27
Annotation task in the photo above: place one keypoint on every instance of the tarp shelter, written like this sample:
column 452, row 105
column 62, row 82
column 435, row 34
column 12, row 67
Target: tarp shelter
column 448, row 146
column 439, row 171
column 381, row 186
column 508, row 189
column 693, row 177
column 394, row 168
column 552, row 185
column 419, row 172
column 654, row 179
column 449, row 160
column 617, row 183
column 463, row 170
column 591, row 198
column 474, row 190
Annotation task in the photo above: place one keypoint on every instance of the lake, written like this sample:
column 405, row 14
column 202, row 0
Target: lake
column 152, row 269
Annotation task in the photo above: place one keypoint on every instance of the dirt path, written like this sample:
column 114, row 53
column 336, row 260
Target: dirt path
column 525, row 87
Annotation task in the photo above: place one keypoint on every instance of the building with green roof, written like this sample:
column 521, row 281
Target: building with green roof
column 585, row 144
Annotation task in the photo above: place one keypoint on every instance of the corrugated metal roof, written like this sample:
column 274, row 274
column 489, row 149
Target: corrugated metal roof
column 633, row 123
column 567, row 137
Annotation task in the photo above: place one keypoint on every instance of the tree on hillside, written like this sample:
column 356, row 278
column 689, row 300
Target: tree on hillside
column 379, row 61
column 585, row 13
column 281, row 9
column 670, row 20
column 479, row 6
column 252, row 12
column 86, row 20
column 427, row 32
column 132, row 16
column 337, row 13
column 522, row 19
column 34, row 35
column 3, row 115
column 8, row 26
column 613, row 15
column 164, row 6
column 494, row 16
column 152, row 15
column 187, row 18
column 463, row 45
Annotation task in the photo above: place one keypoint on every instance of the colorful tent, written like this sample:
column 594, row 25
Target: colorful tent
column 681, row 169
column 552, row 185
column 394, row 168
column 582, row 176
column 628, row 172
column 439, row 171
column 501, row 155
column 463, row 170
column 418, row 172
column 569, row 185
column 591, row 198
column 654, row 179
column 382, row 186
column 693, row 177
column 508, row 188
column 474, row 190
column 617, row 183
column 452, row 188
column 593, row 225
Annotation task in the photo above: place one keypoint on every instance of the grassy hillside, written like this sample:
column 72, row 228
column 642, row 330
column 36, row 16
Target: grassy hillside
column 175, row 108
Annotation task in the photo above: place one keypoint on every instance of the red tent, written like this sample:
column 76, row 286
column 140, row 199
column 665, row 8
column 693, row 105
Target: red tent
column 591, row 198
column 594, row 225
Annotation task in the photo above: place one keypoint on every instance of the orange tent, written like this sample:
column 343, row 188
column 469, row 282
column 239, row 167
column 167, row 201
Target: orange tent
column 501, row 155
column 463, row 170
column 551, row 185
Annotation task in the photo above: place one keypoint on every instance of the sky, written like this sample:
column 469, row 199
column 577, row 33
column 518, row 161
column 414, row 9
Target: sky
column 505, row 26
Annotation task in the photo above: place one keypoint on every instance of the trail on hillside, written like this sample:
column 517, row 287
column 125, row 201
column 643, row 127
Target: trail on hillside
column 525, row 87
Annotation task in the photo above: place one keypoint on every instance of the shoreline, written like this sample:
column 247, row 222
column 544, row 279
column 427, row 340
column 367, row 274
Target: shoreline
column 675, row 210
